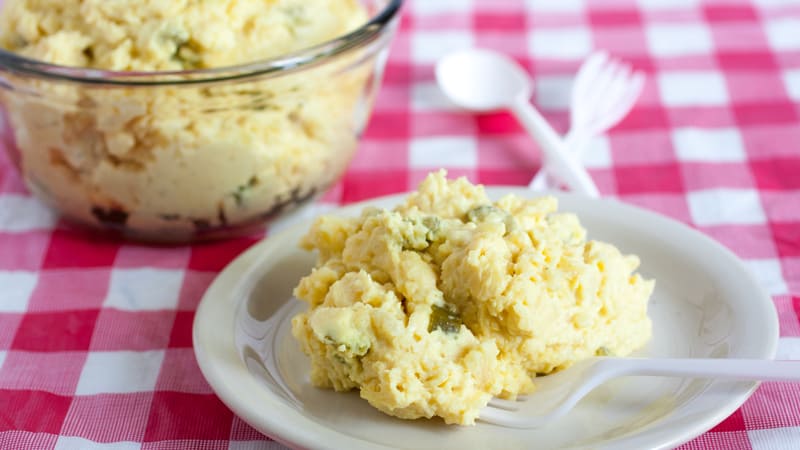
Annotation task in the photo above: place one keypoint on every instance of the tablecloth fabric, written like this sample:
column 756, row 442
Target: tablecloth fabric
column 95, row 337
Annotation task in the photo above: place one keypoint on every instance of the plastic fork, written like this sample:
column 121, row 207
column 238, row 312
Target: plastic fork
column 558, row 393
column 604, row 91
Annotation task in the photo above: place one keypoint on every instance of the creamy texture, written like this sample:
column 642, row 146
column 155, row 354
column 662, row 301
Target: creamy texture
column 434, row 307
column 185, row 159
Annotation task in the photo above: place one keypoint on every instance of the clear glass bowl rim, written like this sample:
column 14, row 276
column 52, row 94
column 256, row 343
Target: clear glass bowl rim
column 21, row 66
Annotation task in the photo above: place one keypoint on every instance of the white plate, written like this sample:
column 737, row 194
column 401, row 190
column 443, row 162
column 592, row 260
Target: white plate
column 705, row 304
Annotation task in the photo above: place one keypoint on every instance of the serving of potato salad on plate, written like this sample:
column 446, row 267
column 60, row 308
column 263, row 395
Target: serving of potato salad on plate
column 449, row 299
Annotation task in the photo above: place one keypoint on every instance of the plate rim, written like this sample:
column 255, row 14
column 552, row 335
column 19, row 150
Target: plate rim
column 276, row 429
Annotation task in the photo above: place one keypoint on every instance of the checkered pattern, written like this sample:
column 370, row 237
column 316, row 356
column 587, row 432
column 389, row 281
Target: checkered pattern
column 95, row 337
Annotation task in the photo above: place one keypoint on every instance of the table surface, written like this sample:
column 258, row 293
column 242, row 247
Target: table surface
column 95, row 338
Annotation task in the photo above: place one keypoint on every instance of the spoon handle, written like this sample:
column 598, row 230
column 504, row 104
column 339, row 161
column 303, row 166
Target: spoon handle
column 563, row 162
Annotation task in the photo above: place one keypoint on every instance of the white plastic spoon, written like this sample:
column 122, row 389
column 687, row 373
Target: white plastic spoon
column 483, row 80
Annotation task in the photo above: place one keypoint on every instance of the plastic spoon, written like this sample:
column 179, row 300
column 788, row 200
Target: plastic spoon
column 483, row 80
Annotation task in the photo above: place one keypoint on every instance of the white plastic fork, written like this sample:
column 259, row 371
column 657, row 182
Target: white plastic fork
column 603, row 92
column 558, row 393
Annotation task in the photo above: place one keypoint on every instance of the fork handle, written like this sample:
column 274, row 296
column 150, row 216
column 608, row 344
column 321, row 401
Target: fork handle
column 735, row 369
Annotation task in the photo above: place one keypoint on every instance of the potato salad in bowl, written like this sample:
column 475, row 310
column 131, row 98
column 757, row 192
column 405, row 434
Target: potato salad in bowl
column 189, row 119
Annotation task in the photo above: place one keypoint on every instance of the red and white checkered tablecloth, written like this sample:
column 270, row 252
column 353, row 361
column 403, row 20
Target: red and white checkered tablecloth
column 95, row 337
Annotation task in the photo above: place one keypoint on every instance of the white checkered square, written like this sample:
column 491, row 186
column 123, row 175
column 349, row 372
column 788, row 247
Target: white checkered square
column 428, row 7
column 120, row 372
column 553, row 92
column 426, row 96
column 711, row 145
column 446, row 151
column 783, row 33
column 678, row 39
column 24, row 213
column 769, row 274
column 78, row 443
column 788, row 348
column 667, row 4
column 692, row 88
column 726, row 206
column 427, row 47
column 15, row 290
column 774, row 438
column 791, row 79
column 550, row 6
column 3, row 354
column 560, row 43
column 597, row 154
column 144, row 289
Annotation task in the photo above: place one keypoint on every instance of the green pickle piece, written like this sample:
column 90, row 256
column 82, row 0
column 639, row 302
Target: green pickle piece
column 445, row 319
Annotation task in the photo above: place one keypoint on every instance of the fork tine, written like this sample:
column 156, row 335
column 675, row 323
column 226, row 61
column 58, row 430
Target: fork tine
column 632, row 88
column 587, row 71
column 506, row 405
column 584, row 105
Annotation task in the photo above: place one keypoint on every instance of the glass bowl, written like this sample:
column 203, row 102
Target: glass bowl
column 197, row 154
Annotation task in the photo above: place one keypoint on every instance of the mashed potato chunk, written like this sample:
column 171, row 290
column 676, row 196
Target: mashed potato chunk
column 449, row 299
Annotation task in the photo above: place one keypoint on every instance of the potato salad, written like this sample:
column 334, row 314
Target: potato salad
column 182, row 158
column 435, row 306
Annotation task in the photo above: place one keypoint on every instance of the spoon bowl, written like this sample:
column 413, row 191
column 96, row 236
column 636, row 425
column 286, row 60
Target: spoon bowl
column 482, row 80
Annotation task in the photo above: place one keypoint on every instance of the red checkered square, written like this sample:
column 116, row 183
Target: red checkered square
column 503, row 21
column 623, row 42
column 734, row 422
column 497, row 124
column 181, row 336
column 504, row 177
column 178, row 373
column 136, row 256
column 35, row 411
column 747, row 241
column 646, row 117
column 359, row 185
column 59, row 289
column 392, row 97
column 781, row 206
column 739, row 38
column 706, row 117
column 755, row 86
column 641, row 147
column 787, row 237
column 74, row 328
column 9, row 322
column 766, row 113
column 72, row 249
column 729, row 12
column 182, row 444
column 109, row 417
column 508, row 43
column 652, row 178
column 55, row 372
column 23, row 251
column 213, row 256
column 614, row 18
column 770, row 141
column 777, row 174
column 699, row 175
column 435, row 123
column 377, row 154
column 670, row 205
column 241, row 431
column 131, row 330
column 194, row 286
column 176, row 415
column 388, row 125
column 788, row 308
column 508, row 152
column 748, row 61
